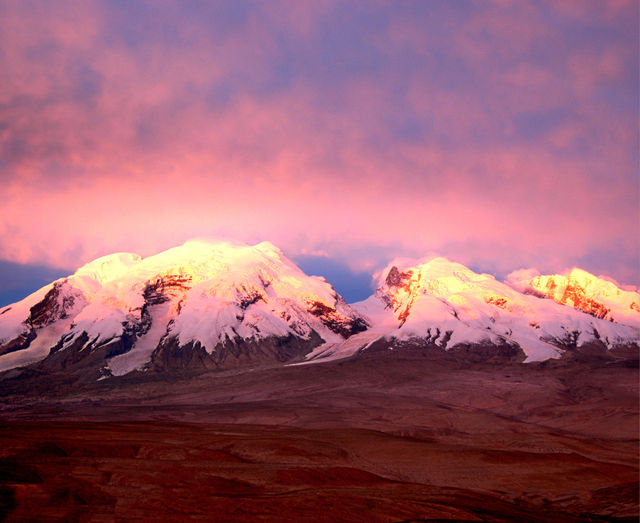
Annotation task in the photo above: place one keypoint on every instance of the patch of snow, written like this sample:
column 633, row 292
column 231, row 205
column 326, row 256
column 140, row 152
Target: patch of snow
column 108, row 267
column 340, row 349
column 39, row 348
column 140, row 354
column 12, row 321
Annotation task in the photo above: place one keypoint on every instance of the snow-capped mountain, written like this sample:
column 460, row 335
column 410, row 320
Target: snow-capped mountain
column 579, row 289
column 444, row 304
column 211, row 303
column 219, row 305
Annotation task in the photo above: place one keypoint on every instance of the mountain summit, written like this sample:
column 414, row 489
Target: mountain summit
column 222, row 305
column 444, row 305
column 212, row 304
column 579, row 289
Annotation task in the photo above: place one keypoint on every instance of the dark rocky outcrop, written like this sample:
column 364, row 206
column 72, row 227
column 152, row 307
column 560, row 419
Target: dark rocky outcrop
column 336, row 322
column 53, row 307
column 232, row 353
column 85, row 358
column 20, row 342
column 395, row 278
column 434, row 347
column 162, row 289
column 498, row 353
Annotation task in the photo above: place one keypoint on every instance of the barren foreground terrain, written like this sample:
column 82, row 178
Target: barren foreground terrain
column 390, row 437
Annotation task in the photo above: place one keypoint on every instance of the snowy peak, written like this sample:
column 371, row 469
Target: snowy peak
column 437, row 278
column 443, row 304
column 202, row 297
column 584, row 291
column 220, row 305
column 108, row 267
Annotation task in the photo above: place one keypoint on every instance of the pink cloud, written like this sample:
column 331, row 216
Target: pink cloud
column 165, row 146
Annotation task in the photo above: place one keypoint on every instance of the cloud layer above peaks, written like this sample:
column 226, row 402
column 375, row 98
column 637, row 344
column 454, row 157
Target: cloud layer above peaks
column 500, row 134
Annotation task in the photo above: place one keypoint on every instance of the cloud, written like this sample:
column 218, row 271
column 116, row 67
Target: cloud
column 521, row 279
column 500, row 135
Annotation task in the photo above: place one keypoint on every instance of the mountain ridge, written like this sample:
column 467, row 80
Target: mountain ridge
column 220, row 305
column 443, row 304
column 207, row 294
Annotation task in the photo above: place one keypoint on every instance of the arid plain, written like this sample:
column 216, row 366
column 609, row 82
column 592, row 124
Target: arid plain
column 394, row 436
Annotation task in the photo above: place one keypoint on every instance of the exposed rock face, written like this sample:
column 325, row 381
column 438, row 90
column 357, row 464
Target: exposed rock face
column 239, row 352
column 395, row 278
column 498, row 301
column 55, row 305
column 59, row 302
column 165, row 288
column 400, row 295
column 436, row 347
column 345, row 326
column 83, row 358
column 581, row 290
column 570, row 292
column 20, row 342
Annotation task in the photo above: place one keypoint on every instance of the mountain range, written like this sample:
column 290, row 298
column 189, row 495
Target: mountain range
column 218, row 305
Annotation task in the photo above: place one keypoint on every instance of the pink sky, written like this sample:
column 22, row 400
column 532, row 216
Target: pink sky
column 501, row 134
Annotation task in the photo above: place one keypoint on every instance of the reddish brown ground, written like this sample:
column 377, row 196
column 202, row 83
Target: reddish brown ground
column 370, row 440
